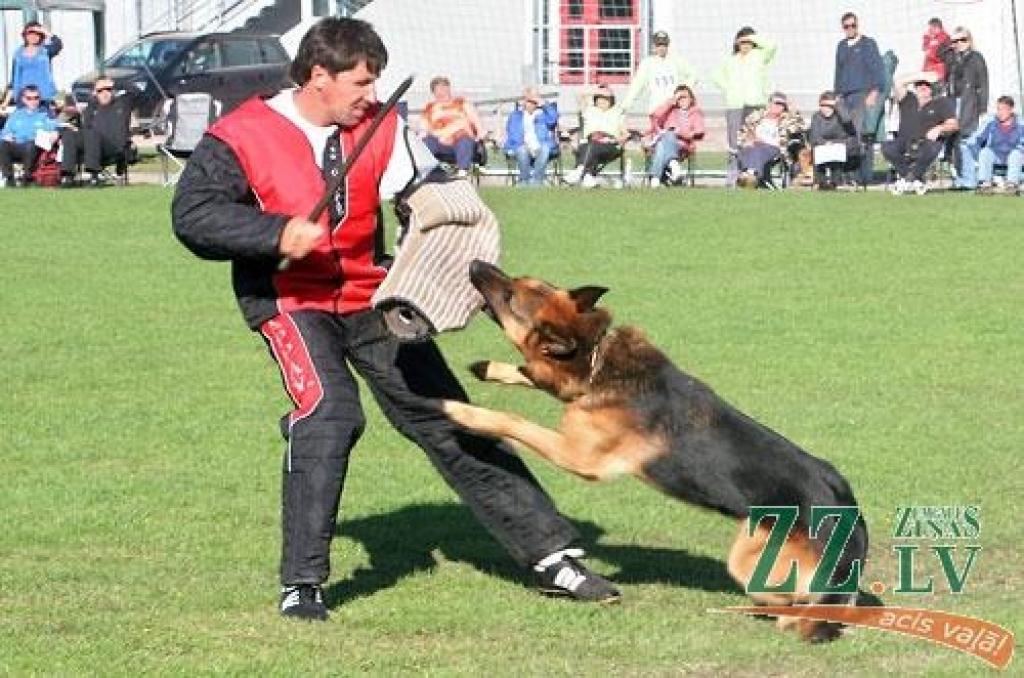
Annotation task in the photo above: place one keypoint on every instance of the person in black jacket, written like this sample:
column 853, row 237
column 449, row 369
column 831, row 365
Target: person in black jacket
column 926, row 124
column 968, row 82
column 103, row 137
column 859, row 82
column 245, row 196
column 831, row 128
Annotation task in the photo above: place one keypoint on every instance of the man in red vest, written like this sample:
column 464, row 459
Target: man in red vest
column 242, row 198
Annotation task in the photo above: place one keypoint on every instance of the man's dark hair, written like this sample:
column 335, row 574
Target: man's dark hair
column 1006, row 99
column 338, row 44
column 34, row 89
column 935, row 21
column 848, row 15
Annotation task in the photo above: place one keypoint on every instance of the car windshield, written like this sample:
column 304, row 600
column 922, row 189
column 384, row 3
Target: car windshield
column 153, row 53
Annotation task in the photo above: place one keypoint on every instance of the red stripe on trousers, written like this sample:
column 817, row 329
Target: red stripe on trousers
column 297, row 368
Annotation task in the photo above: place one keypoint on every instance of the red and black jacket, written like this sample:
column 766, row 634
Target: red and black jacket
column 251, row 173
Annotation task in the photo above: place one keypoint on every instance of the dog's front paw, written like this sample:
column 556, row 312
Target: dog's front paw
column 479, row 369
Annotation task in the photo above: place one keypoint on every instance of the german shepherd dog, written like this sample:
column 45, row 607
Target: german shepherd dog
column 629, row 410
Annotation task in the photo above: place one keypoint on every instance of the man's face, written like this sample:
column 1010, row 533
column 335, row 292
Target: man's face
column 923, row 91
column 661, row 48
column 776, row 109
column 33, row 37
column 745, row 46
column 442, row 91
column 30, row 100
column 103, row 90
column 961, row 44
column 1004, row 112
column 850, row 27
column 826, row 110
column 347, row 95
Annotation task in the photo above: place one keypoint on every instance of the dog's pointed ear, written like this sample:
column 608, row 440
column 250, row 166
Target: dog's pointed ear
column 586, row 297
column 555, row 345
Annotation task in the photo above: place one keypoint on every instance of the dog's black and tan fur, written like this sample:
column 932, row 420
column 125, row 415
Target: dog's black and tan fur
column 629, row 410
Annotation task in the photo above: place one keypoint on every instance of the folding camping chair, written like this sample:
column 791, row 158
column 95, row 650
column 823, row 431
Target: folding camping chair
column 188, row 116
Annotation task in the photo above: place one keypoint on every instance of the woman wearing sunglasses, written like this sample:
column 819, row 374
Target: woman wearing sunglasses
column 968, row 86
column 31, row 62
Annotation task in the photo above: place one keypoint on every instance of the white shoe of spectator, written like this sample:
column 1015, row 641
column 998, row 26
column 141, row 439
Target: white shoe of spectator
column 574, row 175
column 675, row 172
column 656, row 183
column 919, row 187
column 589, row 181
column 900, row 187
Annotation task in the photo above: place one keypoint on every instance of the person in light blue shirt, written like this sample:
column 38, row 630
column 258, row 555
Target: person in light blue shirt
column 530, row 137
column 998, row 141
column 18, row 136
column 31, row 62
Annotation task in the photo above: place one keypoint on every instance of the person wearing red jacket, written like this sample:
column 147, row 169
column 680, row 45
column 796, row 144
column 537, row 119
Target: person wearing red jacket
column 245, row 196
column 937, row 48
column 675, row 127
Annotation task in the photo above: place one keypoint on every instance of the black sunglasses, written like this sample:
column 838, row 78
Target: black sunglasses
column 849, row 25
column 104, row 89
column 31, row 97
column 960, row 40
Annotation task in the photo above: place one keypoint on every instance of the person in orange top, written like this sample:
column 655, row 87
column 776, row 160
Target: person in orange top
column 451, row 126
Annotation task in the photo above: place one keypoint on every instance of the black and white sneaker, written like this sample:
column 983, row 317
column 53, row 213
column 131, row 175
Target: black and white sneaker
column 305, row 601
column 562, row 574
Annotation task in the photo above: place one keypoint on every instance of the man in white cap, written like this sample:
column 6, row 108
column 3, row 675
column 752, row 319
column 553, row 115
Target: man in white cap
column 659, row 74
column 926, row 122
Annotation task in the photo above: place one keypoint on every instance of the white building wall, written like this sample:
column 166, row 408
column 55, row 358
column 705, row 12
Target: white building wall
column 476, row 43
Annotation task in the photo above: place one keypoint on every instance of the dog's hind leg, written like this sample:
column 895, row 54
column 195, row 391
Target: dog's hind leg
column 799, row 552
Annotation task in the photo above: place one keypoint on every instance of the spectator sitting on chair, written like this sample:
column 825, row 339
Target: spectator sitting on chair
column 833, row 139
column 18, row 136
column 602, row 138
column 530, row 136
column 999, row 141
column 103, row 137
column 676, row 126
column 925, row 122
column 765, row 135
column 31, row 62
column 451, row 127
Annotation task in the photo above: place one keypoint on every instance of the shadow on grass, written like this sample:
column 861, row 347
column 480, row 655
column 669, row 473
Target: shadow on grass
column 415, row 538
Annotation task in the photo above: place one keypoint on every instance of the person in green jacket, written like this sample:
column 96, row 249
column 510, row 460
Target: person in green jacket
column 743, row 79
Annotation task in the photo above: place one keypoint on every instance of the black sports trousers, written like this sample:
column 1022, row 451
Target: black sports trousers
column 315, row 351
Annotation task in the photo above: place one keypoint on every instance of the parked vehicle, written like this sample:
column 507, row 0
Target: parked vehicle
column 229, row 66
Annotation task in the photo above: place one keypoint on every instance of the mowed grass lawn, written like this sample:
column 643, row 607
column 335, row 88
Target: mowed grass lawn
column 141, row 455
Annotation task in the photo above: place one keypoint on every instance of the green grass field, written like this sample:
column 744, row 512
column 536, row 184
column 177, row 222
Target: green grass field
column 141, row 457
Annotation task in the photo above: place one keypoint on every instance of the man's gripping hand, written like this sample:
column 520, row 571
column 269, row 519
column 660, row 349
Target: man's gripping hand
column 300, row 237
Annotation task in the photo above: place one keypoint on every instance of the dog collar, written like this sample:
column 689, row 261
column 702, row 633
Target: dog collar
column 595, row 358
